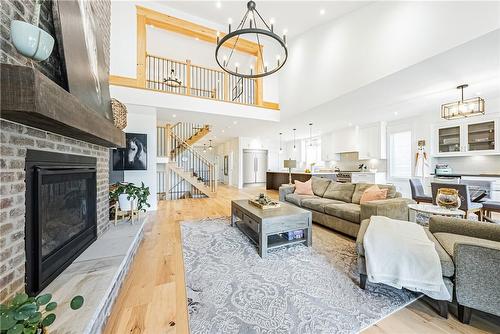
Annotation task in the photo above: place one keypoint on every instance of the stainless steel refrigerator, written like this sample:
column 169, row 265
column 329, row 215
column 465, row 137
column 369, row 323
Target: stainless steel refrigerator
column 254, row 166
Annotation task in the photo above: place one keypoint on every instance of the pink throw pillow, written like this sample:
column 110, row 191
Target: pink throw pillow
column 303, row 188
column 372, row 194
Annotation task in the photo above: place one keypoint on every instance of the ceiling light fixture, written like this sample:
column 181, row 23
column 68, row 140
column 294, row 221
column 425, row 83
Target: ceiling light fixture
column 310, row 134
column 218, row 4
column 210, row 146
column 250, row 29
column 294, row 147
column 174, row 115
column 204, row 148
column 172, row 80
column 321, row 12
column 463, row 108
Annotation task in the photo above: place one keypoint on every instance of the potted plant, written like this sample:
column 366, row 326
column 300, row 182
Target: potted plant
column 30, row 315
column 30, row 40
column 130, row 197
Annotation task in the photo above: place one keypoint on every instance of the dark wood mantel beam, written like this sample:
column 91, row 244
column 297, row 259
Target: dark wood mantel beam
column 30, row 98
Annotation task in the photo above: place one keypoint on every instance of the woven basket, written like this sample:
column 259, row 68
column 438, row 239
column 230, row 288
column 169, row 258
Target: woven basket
column 119, row 114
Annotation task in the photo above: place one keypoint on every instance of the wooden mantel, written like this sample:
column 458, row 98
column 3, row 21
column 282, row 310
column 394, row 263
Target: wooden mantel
column 30, row 98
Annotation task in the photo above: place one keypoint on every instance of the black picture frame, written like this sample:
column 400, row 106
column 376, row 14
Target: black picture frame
column 135, row 154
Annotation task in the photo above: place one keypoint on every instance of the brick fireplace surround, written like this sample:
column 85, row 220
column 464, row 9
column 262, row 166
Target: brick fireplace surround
column 15, row 139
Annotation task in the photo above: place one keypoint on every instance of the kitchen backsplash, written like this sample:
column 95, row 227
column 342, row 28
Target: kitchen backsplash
column 474, row 164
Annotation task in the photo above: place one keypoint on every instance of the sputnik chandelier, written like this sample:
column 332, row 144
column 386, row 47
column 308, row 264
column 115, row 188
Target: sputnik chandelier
column 255, row 29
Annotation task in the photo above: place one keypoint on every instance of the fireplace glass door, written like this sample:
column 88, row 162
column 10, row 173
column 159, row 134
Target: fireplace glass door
column 61, row 200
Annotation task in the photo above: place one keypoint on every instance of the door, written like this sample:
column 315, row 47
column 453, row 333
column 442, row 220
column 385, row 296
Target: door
column 261, row 166
column 248, row 167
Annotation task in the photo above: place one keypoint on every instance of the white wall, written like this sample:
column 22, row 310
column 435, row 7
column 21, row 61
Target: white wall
column 143, row 120
column 229, row 148
column 373, row 42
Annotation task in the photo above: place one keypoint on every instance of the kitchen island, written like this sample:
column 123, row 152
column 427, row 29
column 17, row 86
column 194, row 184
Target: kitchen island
column 276, row 179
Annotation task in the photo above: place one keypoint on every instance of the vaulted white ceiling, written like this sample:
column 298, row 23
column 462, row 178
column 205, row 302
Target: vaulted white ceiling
column 295, row 16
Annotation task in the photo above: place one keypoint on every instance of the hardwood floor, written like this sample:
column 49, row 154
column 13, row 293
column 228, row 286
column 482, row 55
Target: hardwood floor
column 153, row 297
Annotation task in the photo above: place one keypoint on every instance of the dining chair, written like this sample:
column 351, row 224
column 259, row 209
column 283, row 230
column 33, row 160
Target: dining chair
column 417, row 191
column 463, row 192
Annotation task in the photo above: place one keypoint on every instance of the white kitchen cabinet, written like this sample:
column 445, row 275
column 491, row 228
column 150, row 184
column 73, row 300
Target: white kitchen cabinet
column 369, row 177
column 346, row 140
column 327, row 148
column 475, row 136
column 372, row 141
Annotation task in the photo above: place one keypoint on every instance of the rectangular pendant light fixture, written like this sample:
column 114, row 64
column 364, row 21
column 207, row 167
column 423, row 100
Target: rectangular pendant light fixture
column 463, row 108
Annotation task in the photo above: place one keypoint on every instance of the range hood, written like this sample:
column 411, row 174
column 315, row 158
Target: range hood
column 349, row 156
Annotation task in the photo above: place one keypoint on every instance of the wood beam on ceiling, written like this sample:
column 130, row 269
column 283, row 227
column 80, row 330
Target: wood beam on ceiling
column 171, row 23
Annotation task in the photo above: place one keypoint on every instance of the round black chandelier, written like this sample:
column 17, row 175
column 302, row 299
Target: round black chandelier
column 254, row 28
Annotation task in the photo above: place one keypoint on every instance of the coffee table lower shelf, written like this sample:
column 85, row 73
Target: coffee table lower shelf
column 273, row 240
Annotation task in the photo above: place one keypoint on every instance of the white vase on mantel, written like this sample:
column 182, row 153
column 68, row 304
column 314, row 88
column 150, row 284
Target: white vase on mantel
column 127, row 204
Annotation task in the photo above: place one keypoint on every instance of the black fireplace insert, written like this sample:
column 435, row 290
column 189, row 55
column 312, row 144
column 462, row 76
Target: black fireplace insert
column 61, row 216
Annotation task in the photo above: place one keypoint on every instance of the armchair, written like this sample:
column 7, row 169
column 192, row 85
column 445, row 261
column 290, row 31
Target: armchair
column 475, row 250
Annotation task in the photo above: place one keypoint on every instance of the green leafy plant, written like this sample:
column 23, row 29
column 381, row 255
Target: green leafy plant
column 30, row 315
column 133, row 192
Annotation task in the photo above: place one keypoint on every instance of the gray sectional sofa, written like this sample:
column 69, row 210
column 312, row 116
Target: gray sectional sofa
column 469, row 252
column 336, row 205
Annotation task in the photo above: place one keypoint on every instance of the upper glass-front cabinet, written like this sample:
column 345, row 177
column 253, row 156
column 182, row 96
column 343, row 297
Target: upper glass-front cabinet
column 481, row 136
column 449, row 139
column 466, row 137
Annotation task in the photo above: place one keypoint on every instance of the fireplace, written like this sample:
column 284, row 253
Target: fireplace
column 61, row 219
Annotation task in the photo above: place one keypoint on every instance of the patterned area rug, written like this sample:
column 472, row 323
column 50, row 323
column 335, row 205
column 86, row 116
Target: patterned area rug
column 294, row 290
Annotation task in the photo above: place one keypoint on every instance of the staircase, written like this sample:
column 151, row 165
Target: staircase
column 189, row 174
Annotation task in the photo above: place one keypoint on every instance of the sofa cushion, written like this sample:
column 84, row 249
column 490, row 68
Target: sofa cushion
column 447, row 265
column 373, row 193
column 361, row 187
column 319, row 185
column 303, row 188
column 297, row 199
column 318, row 204
column 448, row 241
column 340, row 191
column 347, row 211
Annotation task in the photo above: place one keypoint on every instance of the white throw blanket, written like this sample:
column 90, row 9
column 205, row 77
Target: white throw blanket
column 399, row 253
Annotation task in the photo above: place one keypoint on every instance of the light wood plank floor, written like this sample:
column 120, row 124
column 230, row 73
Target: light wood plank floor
column 153, row 297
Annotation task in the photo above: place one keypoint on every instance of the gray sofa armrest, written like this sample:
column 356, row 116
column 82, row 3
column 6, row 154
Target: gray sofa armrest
column 285, row 190
column 466, row 227
column 476, row 276
column 395, row 208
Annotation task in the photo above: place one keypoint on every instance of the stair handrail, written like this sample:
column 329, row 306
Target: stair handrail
column 192, row 150
column 212, row 175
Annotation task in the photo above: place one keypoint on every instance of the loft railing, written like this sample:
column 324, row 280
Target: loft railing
column 195, row 80
column 185, row 158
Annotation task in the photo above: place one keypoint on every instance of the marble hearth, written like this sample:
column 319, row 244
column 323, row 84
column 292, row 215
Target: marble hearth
column 97, row 274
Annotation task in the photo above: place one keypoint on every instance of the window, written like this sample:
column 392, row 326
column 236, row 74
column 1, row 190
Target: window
column 400, row 158
column 312, row 151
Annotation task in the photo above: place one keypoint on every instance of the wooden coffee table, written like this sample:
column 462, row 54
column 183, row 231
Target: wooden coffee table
column 263, row 227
